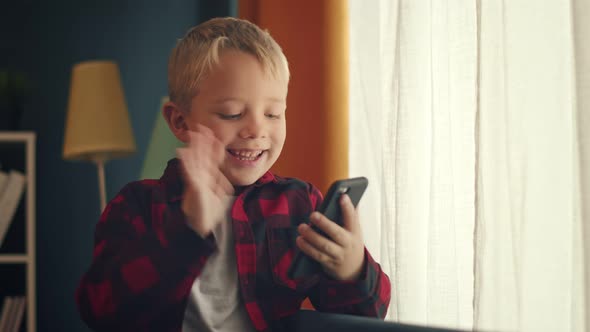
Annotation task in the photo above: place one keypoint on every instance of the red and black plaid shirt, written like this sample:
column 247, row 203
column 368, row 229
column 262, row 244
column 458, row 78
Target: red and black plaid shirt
column 146, row 259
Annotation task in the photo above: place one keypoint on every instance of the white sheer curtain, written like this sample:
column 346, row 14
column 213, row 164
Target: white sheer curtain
column 581, row 30
column 469, row 120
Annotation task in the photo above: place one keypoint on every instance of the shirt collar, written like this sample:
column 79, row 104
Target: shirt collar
column 173, row 186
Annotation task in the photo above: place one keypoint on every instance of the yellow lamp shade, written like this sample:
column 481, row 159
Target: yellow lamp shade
column 97, row 124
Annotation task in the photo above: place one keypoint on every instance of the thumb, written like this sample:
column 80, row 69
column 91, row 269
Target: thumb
column 349, row 215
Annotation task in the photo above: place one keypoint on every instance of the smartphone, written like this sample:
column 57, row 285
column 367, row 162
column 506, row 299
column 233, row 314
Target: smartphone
column 302, row 265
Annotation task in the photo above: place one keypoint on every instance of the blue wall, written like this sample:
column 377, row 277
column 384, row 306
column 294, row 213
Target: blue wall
column 45, row 38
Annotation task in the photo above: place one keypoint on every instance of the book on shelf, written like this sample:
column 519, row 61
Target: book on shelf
column 10, row 194
column 11, row 314
column 6, row 308
column 13, row 310
column 19, row 313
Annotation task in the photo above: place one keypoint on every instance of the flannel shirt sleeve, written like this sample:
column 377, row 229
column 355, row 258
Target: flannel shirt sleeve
column 143, row 262
column 367, row 296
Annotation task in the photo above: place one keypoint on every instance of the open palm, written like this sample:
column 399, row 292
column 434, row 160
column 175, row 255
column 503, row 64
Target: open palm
column 207, row 192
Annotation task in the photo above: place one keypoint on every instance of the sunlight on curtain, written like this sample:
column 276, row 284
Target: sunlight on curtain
column 581, row 29
column 471, row 119
column 413, row 103
column 529, row 267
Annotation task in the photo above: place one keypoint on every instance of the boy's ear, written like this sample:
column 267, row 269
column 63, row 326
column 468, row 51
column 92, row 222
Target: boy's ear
column 176, row 119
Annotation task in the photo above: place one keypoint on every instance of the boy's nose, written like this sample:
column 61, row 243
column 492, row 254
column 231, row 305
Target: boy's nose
column 253, row 128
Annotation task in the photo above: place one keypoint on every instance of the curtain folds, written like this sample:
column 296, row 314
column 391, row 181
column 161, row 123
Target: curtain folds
column 527, row 246
column 421, row 113
column 580, row 12
column 470, row 119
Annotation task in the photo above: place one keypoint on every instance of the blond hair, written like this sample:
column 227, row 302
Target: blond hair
column 199, row 50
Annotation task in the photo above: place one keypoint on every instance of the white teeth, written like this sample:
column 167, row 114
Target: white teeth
column 246, row 155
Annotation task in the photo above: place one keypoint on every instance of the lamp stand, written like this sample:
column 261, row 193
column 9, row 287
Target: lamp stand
column 101, row 184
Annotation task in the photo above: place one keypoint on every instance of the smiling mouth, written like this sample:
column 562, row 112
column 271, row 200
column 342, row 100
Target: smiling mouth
column 246, row 155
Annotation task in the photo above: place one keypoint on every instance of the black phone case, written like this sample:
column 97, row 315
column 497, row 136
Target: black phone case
column 302, row 264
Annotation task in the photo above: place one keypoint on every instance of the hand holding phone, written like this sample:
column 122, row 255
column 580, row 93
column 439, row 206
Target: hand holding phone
column 302, row 264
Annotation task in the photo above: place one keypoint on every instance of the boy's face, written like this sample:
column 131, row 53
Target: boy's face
column 245, row 108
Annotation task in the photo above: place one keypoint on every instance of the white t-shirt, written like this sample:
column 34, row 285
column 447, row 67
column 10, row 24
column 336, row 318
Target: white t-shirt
column 215, row 304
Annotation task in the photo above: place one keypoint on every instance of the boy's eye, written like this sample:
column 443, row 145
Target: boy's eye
column 229, row 116
column 273, row 116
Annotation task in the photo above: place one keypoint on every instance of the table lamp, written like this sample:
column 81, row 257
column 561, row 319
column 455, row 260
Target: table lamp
column 97, row 125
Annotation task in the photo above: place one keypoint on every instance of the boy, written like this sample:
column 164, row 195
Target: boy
column 207, row 246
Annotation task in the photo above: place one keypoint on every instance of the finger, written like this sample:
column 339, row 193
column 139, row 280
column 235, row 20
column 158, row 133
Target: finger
column 203, row 159
column 218, row 149
column 208, row 134
column 196, row 170
column 199, row 139
column 200, row 147
column 183, row 155
column 349, row 215
column 313, row 252
column 206, row 161
column 332, row 229
column 320, row 242
column 197, row 143
column 185, row 163
column 205, row 130
column 224, row 187
column 213, row 144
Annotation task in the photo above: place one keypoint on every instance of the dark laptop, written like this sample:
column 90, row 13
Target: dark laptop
column 314, row 321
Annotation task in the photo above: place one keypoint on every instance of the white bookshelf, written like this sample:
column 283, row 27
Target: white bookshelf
column 17, row 251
